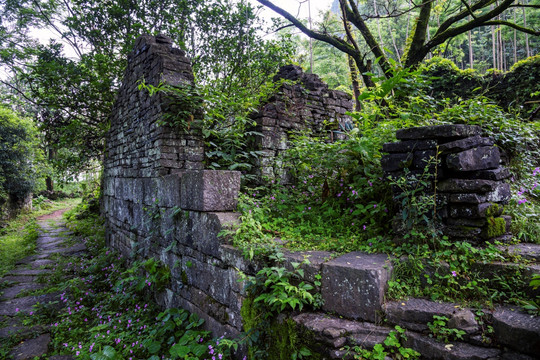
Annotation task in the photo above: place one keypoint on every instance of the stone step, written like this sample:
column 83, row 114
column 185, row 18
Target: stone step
column 28, row 272
column 72, row 250
column 433, row 349
column 415, row 314
column 13, row 291
column 517, row 330
column 529, row 252
column 30, row 349
column 24, row 304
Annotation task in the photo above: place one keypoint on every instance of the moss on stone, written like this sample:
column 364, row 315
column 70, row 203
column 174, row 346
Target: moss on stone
column 184, row 278
column 283, row 337
column 496, row 226
column 494, row 210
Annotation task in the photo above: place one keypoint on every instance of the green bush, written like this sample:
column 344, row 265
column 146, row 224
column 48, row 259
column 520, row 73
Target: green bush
column 20, row 157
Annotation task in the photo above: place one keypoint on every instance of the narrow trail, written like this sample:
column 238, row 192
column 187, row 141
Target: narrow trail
column 27, row 277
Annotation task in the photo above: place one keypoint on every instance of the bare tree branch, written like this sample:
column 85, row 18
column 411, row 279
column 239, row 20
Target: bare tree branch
column 512, row 25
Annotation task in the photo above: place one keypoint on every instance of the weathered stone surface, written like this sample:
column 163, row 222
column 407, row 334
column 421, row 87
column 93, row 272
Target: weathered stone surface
column 12, row 292
column 210, row 190
column 475, row 210
column 516, row 356
column 439, row 131
column 361, row 296
column 61, row 357
column 394, row 162
column 500, row 173
column 18, row 279
column 467, row 185
column 306, row 105
column 462, row 231
column 168, row 190
column 500, row 194
column 31, row 272
column 470, row 198
column 24, row 304
column 526, row 251
column 433, row 349
column 424, row 159
column 409, row 146
column 335, row 332
column 517, row 330
column 415, row 314
column 31, row 348
column 206, row 227
column 481, row 158
column 72, row 250
column 465, row 144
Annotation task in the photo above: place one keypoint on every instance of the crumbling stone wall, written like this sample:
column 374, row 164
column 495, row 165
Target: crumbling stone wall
column 465, row 170
column 159, row 201
column 302, row 103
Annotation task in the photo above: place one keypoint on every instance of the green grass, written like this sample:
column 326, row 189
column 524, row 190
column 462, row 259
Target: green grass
column 18, row 237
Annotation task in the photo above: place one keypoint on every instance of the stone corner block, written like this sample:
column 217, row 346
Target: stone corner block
column 517, row 330
column 354, row 285
column 210, row 190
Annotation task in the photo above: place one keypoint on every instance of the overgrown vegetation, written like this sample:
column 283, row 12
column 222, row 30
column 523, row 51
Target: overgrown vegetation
column 333, row 197
column 107, row 310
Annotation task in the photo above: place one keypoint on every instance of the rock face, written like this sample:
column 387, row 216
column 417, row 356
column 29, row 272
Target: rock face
column 469, row 178
column 306, row 105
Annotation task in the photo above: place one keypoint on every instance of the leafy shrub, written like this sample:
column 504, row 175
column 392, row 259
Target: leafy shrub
column 19, row 157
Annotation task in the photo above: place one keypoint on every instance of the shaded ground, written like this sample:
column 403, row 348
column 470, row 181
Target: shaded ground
column 29, row 342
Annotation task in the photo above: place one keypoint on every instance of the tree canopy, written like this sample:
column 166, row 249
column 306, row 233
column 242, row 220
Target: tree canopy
column 428, row 24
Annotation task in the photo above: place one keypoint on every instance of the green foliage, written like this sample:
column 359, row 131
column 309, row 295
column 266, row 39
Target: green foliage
column 274, row 290
column 19, row 157
column 516, row 88
column 337, row 200
column 283, row 289
column 17, row 242
column 223, row 118
column 453, row 272
column 418, row 204
column 391, row 348
column 441, row 332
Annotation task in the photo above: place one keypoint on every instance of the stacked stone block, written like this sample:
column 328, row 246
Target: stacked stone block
column 303, row 103
column 466, row 177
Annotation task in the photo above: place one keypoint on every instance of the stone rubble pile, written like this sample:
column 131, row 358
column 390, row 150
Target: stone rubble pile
column 465, row 170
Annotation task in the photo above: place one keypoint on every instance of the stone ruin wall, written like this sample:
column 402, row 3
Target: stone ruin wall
column 302, row 104
column 465, row 168
column 151, row 169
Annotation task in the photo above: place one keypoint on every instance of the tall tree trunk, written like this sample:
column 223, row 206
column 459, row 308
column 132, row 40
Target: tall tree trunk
column 526, row 35
column 49, row 183
column 381, row 42
column 494, row 45
column 416, row 51
column 355, row 83
column 471, row 57
column 515, row 39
